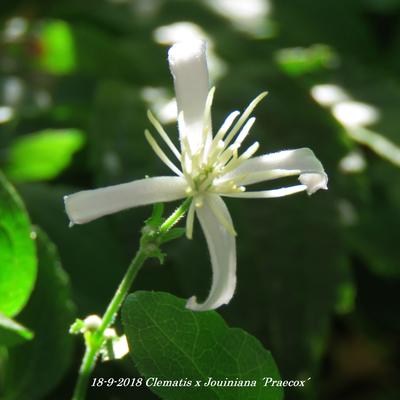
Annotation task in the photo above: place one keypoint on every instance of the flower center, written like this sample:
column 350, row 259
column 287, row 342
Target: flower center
column 207, row 180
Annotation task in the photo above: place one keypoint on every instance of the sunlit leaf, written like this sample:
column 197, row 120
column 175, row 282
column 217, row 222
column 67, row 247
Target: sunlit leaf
column 43, row 155
column 17, row 252
column 58, row 48
column 300, row 60
column 170, row 342
column 34, row 368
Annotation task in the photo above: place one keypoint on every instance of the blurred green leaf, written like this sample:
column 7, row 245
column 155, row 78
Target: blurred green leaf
column 11, row 332
column 17, row 254
column 300, row 60
column 57, row 47
column 168, row 341
column 34, row 368
column 42, row 155
column 346, row 295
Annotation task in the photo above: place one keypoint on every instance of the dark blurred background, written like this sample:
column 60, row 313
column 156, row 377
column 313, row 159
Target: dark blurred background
column 318, row 277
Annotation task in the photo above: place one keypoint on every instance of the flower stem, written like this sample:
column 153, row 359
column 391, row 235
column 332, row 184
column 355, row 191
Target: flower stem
column 93, row 346
column 96, row 339
column 175, row 216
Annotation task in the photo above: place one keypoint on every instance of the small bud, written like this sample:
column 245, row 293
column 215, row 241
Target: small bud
column 92, row 323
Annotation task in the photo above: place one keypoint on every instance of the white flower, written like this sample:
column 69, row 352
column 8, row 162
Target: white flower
column 210, row 167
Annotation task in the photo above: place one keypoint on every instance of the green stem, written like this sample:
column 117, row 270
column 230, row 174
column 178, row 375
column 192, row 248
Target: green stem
column 94, row 345
column 175, row 216
column 96, row 340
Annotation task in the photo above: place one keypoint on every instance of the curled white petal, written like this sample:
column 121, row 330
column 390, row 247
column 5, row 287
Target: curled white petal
column 88, row 205
column 222, row 248
column 314, row 182
column 188, row 64
column 300, row 162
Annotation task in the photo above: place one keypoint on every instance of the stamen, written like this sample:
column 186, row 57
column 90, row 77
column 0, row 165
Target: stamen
column 216, row 143
column 190, row 221
column 226, row 156
column 244, row 117
column 228, row 187
column 226, row 125
column 186, row 160
column 189, row 180
column 206, row 183
column 244, row 132
column 185, row 147
column 285, row 191
column 157, row 149
column 188, row 164
column 163, row 134
column 197, row 162
column 250, row 151
column 207, row 117
column 235, row 162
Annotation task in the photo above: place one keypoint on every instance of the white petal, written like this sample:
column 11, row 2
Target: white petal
column 188, row 64
column 88, row 205
column 300, row 162
column 222, row 248
column 314, row 182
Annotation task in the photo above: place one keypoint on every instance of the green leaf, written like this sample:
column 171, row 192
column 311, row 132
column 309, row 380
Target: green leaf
column 58, row 55
column 11, row 332
column 43, row 155
column 17, row 255
column 170, row 342
column 34, row 368
column 300, row 60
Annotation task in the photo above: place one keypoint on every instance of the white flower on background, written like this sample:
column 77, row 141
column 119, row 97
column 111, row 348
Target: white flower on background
column 210, row 167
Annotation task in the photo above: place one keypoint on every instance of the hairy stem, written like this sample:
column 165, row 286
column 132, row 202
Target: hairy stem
column 97, row 339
